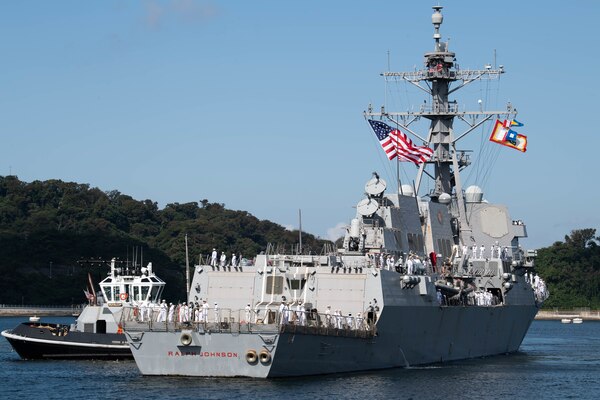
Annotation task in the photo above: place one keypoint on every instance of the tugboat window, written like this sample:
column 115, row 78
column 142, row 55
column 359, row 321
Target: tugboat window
column 154, row 294
column 145, row 290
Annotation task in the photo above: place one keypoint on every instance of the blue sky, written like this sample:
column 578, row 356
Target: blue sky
column 258, row 104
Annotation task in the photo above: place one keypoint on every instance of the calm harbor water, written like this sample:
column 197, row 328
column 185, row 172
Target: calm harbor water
column 556, row 361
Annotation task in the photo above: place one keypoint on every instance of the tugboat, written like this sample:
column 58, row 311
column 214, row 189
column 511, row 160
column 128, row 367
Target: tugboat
column 419, row 279
column 97, row 332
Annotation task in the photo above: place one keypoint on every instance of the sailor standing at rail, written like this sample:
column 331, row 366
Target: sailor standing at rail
column 302, row 314
column 359, row 321
column 150, row 311
column 142, row 311
column 213, row 258
column 281, row 308
column 248, row 310
column 171, row 312
column 340, row 319
column 162, row 315
column 217, row 313
column 297, row 313
column 233, row 260
column 186, row 312
column 349, row 321
column 204, row 311
column 223, row 260
column 481, row 251
column 474, row 251
column 286, row 313
column 328, row 316
column 409, row 265
column 180, row 312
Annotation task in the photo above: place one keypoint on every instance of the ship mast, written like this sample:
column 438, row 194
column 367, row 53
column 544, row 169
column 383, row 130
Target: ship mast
column 439, row 74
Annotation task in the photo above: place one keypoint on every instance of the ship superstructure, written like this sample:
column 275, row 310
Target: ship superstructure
column 417, row 280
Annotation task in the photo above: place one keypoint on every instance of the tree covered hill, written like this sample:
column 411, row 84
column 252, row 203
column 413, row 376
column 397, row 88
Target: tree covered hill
column 571, row 270
column 46, row 226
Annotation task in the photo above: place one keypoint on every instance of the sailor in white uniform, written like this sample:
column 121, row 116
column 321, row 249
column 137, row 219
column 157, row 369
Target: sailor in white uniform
column 162, row 315
column 409, row 265
column 359, row 321
column 481, row 251
column 171, row 312
column 328, row 316
column 302, row 313
column 213, row 258
column 248, row 310
column 217, row 313
column 349, row 321
column 142, row 311
column 205, row 307
column 233, row 260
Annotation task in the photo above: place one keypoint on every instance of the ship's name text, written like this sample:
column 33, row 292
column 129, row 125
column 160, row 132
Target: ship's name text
column 207, row 354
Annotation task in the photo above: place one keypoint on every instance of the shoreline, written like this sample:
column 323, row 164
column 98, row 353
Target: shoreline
column 556, row 315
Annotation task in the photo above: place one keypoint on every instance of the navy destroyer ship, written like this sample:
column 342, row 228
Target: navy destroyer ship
column 418, row 280
column 97, row 333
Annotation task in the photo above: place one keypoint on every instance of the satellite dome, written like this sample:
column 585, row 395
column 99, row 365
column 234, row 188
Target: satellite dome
column 408, row 190
column 473, row 194
column 445, row 198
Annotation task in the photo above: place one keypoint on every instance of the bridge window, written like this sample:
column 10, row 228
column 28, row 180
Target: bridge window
column 296, row 284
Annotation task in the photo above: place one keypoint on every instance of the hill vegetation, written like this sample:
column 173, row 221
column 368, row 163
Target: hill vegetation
column 47, row 226
column 571, row 270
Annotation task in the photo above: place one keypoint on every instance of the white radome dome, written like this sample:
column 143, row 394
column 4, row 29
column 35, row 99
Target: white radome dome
column 445, row 198
column 473, row 194
column 408, row 190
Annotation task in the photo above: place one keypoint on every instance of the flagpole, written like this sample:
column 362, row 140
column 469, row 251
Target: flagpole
column 398, row 177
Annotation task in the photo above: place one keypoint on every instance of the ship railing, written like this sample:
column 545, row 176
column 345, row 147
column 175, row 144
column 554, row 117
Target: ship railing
column 244, row 321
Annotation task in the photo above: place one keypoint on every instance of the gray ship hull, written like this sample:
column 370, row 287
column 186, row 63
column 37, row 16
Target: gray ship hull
column 407, row 336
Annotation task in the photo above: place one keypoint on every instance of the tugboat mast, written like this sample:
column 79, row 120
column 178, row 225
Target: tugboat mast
column 439, row 74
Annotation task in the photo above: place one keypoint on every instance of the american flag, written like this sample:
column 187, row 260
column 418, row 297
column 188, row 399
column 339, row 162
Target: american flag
column 397, row 144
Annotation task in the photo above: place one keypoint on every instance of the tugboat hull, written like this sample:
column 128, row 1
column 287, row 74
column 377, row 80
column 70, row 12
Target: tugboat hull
column 50, row 341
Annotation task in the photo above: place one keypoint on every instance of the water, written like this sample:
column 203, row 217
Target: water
column 556, row 361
